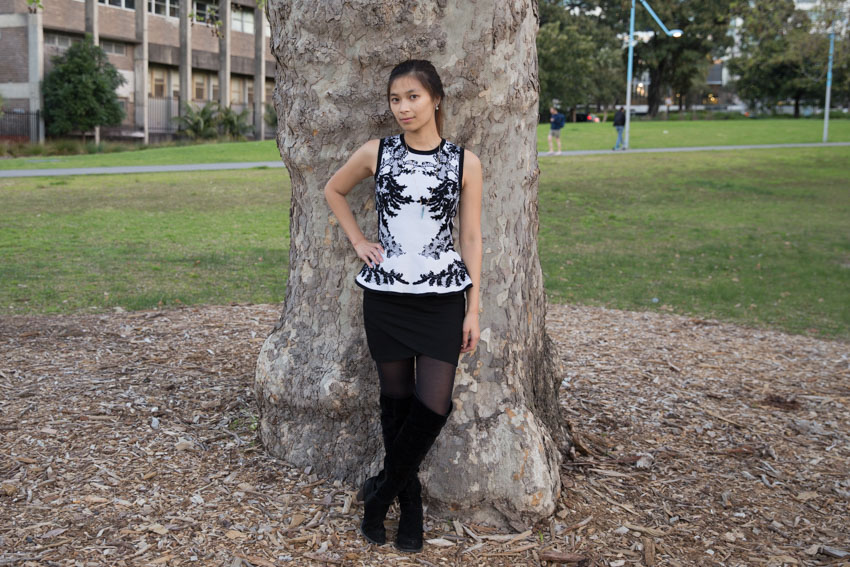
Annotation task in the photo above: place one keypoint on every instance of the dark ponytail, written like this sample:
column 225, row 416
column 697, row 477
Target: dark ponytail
column 426, row 74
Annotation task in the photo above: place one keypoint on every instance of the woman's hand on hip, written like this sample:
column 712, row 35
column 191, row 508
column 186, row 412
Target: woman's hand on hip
column 370, row 252
column 471, row 333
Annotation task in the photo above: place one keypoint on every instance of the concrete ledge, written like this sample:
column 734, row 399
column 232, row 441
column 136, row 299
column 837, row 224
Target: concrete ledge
column 13, row 20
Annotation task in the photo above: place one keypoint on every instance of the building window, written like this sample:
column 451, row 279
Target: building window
column 200, row 87
column 113, row 47
column 128, row 4
column 203, row 10
column 269, row 91
column 242, row 19
column 214, row 87
column 170, row 8
column 250, row 89
column 60, row 41
column 236, row 91
column 157, row 82
column 267, row 27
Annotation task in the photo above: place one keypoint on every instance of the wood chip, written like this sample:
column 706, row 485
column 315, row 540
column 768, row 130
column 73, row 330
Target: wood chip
column 706, row 400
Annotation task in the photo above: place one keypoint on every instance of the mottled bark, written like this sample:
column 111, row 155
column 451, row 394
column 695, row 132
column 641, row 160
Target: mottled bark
column 498, row 458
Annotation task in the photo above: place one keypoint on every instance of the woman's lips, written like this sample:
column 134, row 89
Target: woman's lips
column 406, row 119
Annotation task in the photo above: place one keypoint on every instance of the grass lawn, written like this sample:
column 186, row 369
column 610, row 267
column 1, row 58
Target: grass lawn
column 138, row 241
column 758, row 237
column 225, row 152
column 660, row 134
column 684, row 133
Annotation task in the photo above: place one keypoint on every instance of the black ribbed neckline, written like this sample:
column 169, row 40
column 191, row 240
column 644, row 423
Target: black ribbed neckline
column 423, row 152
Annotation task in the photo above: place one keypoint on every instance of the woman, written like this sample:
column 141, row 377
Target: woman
column 417, row 319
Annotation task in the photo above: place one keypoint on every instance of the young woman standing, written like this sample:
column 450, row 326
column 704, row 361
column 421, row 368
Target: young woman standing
column 420, row 297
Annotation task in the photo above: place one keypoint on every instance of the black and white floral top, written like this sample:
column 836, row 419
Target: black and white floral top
column 416, row 196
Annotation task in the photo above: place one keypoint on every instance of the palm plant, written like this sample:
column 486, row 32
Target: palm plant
column 271, row 116
column 234, row 124
column 200, row 124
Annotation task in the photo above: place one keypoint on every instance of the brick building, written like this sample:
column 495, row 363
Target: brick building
column 165, row 50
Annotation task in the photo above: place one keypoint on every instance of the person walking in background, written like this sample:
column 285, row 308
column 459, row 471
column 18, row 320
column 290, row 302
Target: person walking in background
column 619, row 124
column 556, row 122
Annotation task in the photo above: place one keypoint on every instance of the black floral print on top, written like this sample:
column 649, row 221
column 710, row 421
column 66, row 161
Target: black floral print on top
column 416, row 198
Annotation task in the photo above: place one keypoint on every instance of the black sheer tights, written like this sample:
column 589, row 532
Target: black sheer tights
column 432, row 380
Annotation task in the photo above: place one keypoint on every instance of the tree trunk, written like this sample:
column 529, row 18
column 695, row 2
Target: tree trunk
column 796, row 106
column 653, row 93
column 498, row 458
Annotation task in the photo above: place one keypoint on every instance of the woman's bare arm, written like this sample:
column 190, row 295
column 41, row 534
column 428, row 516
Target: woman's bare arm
column 471, row 244
column 359, row 166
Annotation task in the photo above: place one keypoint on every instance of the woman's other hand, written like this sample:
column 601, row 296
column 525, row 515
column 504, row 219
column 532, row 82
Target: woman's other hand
column 471, row 333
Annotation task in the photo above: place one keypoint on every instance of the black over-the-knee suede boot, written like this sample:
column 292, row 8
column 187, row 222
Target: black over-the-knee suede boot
column 410, row 521
column 410, row 524
column 409, row 448
column 393, row 413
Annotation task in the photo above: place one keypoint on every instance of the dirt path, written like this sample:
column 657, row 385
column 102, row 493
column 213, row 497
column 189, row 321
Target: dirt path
column 128, row 439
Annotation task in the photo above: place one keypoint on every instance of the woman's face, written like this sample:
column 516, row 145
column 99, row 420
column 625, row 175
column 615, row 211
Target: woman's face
column 411, row 104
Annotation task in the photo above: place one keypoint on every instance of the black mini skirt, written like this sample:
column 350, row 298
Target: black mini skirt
column 400, row 326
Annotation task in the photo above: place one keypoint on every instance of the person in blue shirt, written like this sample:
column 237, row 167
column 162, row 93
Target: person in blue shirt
column 556, row 122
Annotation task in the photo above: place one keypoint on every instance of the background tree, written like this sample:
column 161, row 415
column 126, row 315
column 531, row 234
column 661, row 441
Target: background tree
column 317, row 389
column 564, row 56
column 784, row 53
column 669, row 61
column 607, row 66
column 580, row 60
column 79, row 93
column 767, row 66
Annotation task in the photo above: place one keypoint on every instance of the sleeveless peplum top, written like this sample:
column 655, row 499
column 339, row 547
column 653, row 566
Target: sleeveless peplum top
column 416, row 197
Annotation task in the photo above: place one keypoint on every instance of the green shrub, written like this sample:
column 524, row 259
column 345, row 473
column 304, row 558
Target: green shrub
column 234, row 125
column 28, row 150
column 270, row 116
column 66, row 147
column 201, row 124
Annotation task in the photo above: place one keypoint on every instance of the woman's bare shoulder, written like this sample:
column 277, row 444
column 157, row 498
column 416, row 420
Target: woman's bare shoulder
column 471, row 164
column 367, row 155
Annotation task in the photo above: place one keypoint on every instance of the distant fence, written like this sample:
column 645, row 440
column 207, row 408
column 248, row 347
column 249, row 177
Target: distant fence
column 161, row 115
column 18, row 125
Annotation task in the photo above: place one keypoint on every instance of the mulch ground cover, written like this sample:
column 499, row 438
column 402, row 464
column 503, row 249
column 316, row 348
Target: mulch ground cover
column 130, row 439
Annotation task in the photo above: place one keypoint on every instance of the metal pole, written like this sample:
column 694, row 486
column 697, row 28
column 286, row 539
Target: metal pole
column 656, row 18
column 828, row 88
column 629, row 77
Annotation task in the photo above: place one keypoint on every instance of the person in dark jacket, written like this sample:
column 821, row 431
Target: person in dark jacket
column 619, row 124
column 556, row 122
